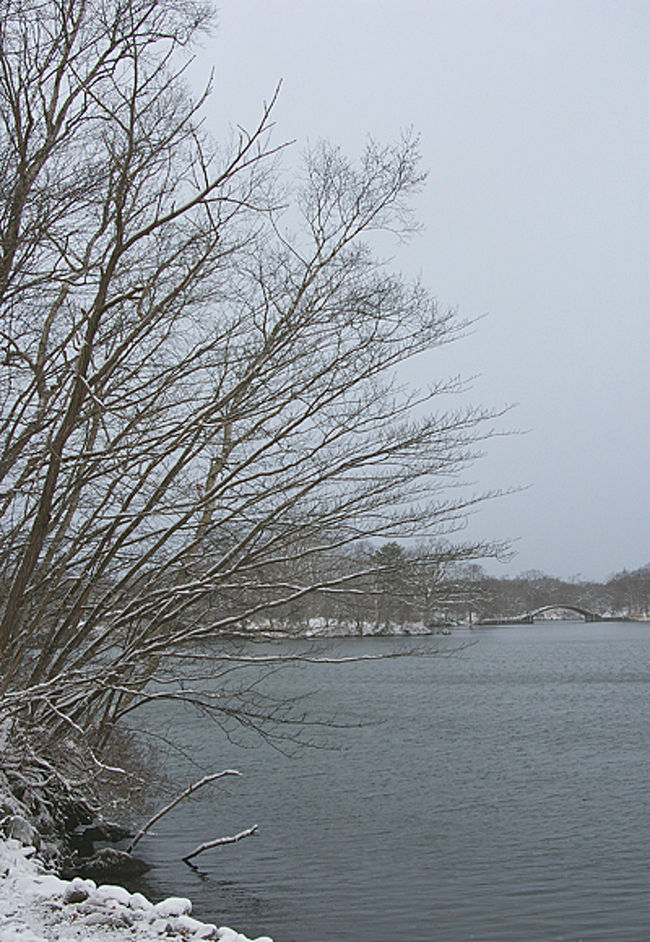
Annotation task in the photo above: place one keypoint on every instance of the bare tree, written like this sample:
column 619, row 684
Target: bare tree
column 201, row 400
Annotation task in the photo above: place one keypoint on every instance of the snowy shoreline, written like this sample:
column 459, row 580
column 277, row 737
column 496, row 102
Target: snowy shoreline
column 38, row 906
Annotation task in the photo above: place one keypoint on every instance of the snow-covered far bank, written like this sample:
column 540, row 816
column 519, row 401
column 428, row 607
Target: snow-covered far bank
column 37, row 906
column 321, row 627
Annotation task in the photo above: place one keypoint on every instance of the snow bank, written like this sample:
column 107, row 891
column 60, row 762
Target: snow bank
column 36, row 906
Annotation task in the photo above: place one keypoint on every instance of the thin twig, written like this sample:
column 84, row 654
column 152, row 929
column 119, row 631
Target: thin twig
column 219, row 841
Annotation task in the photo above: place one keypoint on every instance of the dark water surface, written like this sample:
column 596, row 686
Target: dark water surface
column 499, row 794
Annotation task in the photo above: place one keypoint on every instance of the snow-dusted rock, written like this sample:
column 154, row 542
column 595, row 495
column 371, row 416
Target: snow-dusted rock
column 112, row 894
column 109, row 862
column 192, row 927
column 160, row 927
column 174, row 906
column 138, row 901
column 78, row 890
column 108, row 920
column 229, row 935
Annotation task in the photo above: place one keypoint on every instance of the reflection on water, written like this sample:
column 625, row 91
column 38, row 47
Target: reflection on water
column 499, row 794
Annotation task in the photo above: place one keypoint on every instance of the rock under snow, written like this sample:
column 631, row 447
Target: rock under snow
column 110, row 862
column 174, row 906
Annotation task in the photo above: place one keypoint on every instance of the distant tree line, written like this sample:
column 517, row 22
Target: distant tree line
column 368, row 589
column 409, row 588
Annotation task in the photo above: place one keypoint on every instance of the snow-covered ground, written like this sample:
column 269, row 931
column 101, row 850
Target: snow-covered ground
column 36, row 906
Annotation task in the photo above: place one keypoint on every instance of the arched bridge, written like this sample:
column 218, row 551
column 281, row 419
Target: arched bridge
column 528, row 618
column 586, row 614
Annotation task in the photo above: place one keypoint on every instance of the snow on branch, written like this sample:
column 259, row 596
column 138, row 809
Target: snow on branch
column 177, row 800
column 219, row 841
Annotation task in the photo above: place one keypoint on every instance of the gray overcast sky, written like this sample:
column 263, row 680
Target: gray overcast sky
column 535, row 130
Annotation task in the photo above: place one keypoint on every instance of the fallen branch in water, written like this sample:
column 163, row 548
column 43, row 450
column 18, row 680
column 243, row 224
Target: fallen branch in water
column 219, row 841
column 188, row 791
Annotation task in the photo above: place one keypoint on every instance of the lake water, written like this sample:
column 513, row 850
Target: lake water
column 497, row 794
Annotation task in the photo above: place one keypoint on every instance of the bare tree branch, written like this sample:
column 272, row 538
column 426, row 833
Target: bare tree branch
column 219, row 842
column 177, row 800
